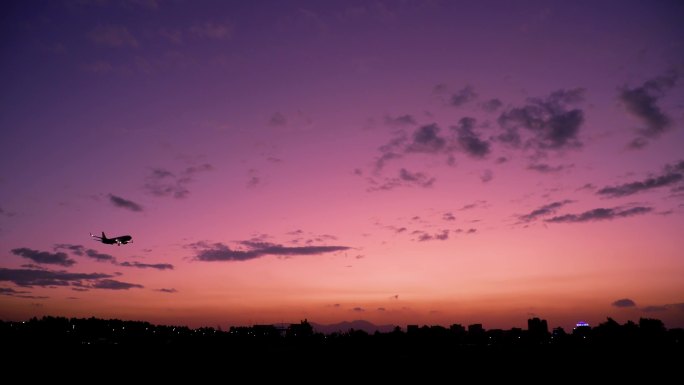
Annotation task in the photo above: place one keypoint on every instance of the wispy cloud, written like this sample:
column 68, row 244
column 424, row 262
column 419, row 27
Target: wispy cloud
column 463, row 96
column 29, row 277
column 405, row 178
column 124, row 203
column 491, row 105
column 158, row 266
column 424, row 236
column 44, row 257
column 169, row 290
column 400, row 120
column 642, row 103
column 547, row 169
column 250, row 250
column 100, row 257
column 600, row 214
column 6, row 213
column 161, row 182
column 544, row 210
column 672, row 175
column 80, row 250
column 111, row 284
column 11, row 292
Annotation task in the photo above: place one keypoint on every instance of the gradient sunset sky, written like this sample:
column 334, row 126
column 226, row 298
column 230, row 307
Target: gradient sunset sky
column 402, row 162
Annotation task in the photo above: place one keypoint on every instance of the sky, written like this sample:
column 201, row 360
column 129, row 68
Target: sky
column 401, row 162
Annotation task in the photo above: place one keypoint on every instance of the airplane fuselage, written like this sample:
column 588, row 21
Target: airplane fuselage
column 122, row 240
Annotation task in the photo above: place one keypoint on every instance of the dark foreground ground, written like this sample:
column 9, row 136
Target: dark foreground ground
column 317, row 363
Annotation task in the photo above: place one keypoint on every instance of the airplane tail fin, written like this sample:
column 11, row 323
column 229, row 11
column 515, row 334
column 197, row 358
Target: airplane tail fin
column 103, row 235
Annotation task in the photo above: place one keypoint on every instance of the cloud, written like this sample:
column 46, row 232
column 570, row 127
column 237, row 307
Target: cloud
column 158, row 266
column 426, row 139
column 642, row 102
column 637, row 143
column 662, row 308
column 600, row 214
column 254, row 179
column 278, row 119
column 28, row 277
column 162, row 182
column 470, row 141
column 547, row 169
column 486, row 176
column 417, row 178
column 254, row 249
column 358, row 309
column 124, row 203
column 402, row 120
column 44, row 257
column 114, row 36
column 8, row 291
column 405, row 178
column 651, row 309
column 491, row 105
column 672, row 175
column 384, row 158
column 100, row 257
column 82, row 251
column 423, row 236
column 74, row 249
column 170, row 290
column 6, row 213
column 544, row 210
column 550, row 124
column 624, row 302
column 90, row 253
column 11, row 292
column 111, row 284
column 463, row 96
column 448, row 217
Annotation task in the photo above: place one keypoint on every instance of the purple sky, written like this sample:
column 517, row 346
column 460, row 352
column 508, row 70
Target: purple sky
column 430, row 162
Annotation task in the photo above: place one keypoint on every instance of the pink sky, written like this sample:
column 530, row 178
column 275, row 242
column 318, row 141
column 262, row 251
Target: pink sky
column 402, row 162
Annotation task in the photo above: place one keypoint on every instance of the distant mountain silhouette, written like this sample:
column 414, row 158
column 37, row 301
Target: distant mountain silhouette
column 345, row 326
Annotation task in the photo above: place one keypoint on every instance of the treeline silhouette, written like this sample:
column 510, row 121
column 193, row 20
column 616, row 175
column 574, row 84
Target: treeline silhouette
column 425, row 353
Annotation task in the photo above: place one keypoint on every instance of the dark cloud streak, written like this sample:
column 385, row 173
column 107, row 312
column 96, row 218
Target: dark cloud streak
column 158, row 266
column 111, row 284
column 600, row 214
column 673, row 174
column 544, row 210
column 624, row 302
column 124, row 203
column 642, row 102
column 162, row 182
column 221, row 252
column 44, row 257
column 28, row 277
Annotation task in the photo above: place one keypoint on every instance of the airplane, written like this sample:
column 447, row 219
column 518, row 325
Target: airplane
column 122, row 240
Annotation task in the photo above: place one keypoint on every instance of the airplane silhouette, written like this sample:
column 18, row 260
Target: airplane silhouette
column 122, row 240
